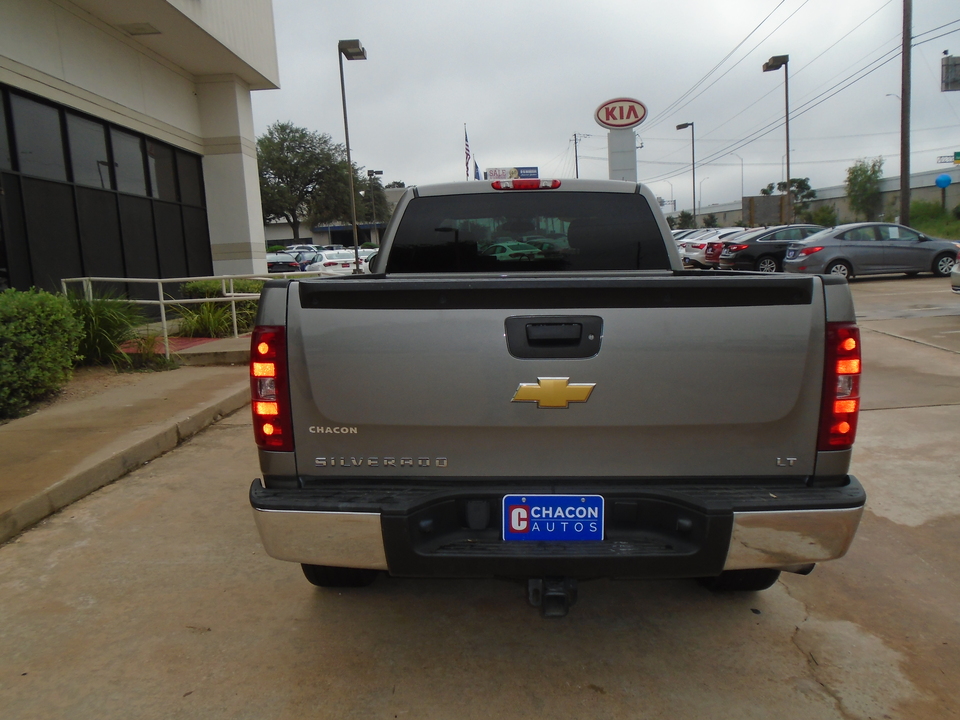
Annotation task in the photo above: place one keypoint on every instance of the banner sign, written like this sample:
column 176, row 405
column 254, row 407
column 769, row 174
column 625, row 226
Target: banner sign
column 512, row 173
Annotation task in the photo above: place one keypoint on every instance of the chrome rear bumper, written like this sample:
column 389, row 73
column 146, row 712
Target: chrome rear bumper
column 761, row 539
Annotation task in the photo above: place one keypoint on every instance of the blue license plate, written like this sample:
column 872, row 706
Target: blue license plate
column 791, row 253
column 552, row 517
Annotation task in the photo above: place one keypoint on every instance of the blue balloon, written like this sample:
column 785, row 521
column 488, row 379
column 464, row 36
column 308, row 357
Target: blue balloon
column 943, row 181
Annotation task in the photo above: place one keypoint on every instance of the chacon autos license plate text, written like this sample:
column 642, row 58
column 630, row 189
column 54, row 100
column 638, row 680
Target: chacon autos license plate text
column 552, row 517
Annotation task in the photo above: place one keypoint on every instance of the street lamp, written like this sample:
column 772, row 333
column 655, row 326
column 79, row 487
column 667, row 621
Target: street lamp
column 373, row 203
column 775, row 63
column 693, row 166
column 741, row 173
column 352, row 50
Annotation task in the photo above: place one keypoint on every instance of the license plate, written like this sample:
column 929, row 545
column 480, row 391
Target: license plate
column 552, row 517
column 791, row 253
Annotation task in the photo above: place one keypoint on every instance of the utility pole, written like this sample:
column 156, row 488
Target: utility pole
column 905, row 113
column 576, row 155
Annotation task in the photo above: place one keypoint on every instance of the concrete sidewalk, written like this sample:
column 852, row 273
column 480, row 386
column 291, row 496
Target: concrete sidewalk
column 61, row 453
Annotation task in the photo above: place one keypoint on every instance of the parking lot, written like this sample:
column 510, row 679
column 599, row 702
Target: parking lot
column 152, row 598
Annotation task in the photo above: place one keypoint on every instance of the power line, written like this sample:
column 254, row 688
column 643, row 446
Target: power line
column 666, row 111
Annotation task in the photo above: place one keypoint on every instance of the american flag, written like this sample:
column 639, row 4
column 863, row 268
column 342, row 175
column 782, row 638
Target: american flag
column 466, row 147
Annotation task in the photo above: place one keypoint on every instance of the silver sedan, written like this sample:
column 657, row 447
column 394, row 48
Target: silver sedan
column 871, row 249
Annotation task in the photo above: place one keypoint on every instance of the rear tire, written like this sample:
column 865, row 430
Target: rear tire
column 333, row 577
column 840, row 268
column 943, row 264
column 741, row 580
column 767, row 264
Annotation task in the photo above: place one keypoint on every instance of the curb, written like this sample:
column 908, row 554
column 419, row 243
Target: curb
column 98, row 472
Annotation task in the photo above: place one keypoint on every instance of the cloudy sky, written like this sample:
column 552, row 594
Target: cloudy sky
column 525, row 76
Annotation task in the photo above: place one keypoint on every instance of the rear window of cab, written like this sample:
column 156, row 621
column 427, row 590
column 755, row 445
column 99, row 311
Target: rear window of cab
column 532, row 231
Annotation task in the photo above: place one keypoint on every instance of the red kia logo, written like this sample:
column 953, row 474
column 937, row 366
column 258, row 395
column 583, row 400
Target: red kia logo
column 620, row 113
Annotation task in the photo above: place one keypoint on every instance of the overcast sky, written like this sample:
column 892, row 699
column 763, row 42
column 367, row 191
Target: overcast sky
column 526, row 75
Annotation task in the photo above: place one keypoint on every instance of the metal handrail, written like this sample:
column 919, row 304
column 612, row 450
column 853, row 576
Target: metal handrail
column 229, row 296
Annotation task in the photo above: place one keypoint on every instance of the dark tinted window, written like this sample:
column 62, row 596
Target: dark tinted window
column 191, row 183
column 128, row 159
column 88, row 152
column 528, row 231
column 5, row 162
column 39, row 142
column 162, row 172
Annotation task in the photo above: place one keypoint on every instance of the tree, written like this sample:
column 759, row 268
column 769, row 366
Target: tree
column 396, row 184
column 801, row 192
column 685, row 220
column 825, row 215
column 376, row 209
column 863, row 187
column 298, row 166
column 672, row 222
column 710, row 221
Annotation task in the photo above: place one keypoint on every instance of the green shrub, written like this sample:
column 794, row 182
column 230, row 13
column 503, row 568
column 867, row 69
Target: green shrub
column 926, row 210
column 38, row 344
column 214, row 320
column 276, row 248
column 956, row 212
column 107, row 323
column 212, row 288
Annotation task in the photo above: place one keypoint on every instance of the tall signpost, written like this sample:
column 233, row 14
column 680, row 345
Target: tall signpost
column 620, row 116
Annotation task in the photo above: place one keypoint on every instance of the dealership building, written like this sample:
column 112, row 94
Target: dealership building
column 127, row 146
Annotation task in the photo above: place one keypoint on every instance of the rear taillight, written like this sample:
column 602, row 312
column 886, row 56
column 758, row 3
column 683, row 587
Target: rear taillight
column 736, row 248
column 841, row 387
column 330, row 263
column 526, row 184
column 809, row 251
column 699, row 246
column 270, row 397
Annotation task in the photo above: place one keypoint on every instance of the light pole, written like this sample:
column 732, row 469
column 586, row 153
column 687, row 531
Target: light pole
column 775, row 63
column 741, row 174
column 693, row 166
column 352, row 50
column 701, row 191
column 371, row 174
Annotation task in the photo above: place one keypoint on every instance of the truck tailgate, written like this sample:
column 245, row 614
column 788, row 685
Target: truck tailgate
column 692, row 377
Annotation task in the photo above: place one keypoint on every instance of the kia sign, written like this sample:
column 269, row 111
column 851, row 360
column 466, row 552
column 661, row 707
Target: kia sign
column 620, row 114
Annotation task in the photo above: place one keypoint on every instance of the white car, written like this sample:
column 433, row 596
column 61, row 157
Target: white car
column 693, row 248
column 334, row 262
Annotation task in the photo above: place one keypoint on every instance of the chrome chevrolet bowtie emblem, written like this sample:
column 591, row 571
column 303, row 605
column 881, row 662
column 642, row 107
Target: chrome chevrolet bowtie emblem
column 553, row 392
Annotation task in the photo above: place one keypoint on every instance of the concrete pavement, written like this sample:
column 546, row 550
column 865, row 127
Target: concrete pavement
column 61, row 453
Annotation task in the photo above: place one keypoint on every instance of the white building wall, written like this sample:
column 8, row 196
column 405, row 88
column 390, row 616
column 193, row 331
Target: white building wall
column 243, row 26
column 68, row 56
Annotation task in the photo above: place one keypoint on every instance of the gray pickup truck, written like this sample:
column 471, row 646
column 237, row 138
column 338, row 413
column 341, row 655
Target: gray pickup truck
column 528, row 385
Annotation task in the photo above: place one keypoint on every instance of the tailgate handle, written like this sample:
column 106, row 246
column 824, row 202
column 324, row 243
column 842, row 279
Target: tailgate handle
column 554, row 333
column 553, row 336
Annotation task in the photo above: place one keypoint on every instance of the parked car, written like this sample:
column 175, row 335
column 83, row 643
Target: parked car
column 513, row 251
column 306, row 257
column 693, row 248
column 871, row 249
column 955, row 276
column 282, row 263
column 292, row 249
column 762, row 250
column 339, row 262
